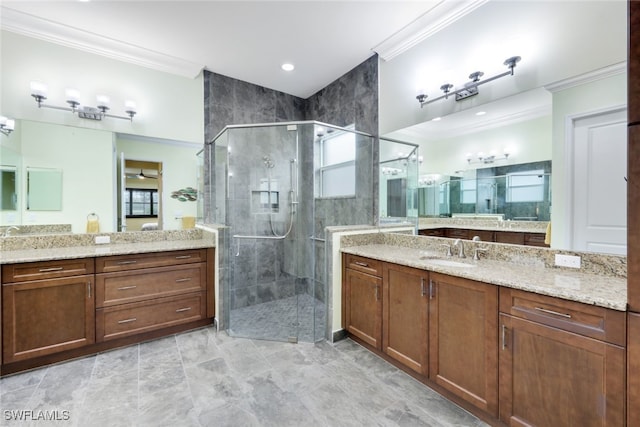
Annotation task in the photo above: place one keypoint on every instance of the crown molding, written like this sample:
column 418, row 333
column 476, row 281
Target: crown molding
column 591, row 76
column 43, row 29
column 439, row 17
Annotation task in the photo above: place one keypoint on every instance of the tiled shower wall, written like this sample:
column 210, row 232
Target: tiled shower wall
column 352, row 99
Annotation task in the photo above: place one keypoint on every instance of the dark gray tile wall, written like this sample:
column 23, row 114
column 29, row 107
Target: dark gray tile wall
column 351, row 99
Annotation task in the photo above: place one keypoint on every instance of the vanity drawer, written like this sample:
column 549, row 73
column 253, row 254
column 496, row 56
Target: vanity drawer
column 588, row 320
column 457, row 233
column 147, row 260
column 12, row 273
column 125, row 287
column 135, row 318
column 535, row 239
column 512, row 237
column 366, row 265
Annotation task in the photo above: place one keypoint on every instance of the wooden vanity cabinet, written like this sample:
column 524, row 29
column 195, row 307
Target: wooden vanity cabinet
column 144, row 292
column 362, row 299
column 405, row 317
column 561, row 362
column 512, row 237
column 463, row 339
column 47, row 307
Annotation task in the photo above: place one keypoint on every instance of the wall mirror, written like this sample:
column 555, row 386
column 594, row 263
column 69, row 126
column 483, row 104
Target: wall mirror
column 74, row 172
column 531, row 118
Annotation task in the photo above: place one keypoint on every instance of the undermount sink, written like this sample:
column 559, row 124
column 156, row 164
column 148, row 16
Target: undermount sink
column 448, row 263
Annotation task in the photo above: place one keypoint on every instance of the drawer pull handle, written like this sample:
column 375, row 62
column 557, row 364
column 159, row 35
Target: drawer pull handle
column 504, row 337
column 186, row 279
column 133, row 319
column 361, row 264
column 555, row 313
column 124, row 288
column 180, row 310
column 46, row 270
column 126, row 262
column 183, row 257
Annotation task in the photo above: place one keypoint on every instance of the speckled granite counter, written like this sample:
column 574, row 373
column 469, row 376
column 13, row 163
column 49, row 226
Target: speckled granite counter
column 69, row 246
column 602, row 290
column 30, row 255
column 483, row 224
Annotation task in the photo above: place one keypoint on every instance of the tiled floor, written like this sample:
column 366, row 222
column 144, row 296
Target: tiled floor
column 204, row 378
column 301, row 316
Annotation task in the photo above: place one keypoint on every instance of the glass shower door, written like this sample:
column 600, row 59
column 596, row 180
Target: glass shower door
column 262, row 213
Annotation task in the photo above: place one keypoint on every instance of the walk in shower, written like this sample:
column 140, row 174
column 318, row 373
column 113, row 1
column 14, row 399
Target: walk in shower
column 276, row 186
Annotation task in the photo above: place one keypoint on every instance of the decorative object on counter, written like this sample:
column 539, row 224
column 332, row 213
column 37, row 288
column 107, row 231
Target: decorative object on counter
column 188, row 222
column 547, row 234
column 93, row 223
column 188, row 194
column 6, row 125
column 470, row 88
column 39, row 93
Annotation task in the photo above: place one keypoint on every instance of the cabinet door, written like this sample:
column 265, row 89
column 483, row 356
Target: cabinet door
column 550, row 377
column 47, row 316
column 463, row 339
column 405, row 316
column 363, row 307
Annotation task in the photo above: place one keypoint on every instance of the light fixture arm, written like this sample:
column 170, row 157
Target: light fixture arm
column 470, row 86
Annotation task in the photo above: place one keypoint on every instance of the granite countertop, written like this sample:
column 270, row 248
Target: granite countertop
column 594, row 289
column 515, row 229
column 48, row 254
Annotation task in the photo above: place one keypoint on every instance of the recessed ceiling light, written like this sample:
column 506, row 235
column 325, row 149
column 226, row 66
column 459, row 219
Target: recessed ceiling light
column 436, row 119
column 288, row 67
column 481, row 113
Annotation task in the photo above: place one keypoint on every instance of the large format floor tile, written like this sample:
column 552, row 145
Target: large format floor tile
column 206, row 378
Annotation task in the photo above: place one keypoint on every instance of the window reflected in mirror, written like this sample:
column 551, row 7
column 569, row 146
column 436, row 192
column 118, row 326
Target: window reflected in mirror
column 9, row 196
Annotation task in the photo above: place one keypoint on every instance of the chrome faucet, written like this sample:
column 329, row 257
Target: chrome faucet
column 7, row 232
column 460, row 244
column 476, row 249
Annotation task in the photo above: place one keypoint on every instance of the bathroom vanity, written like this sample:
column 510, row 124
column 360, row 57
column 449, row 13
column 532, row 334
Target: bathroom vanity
column 63, row 303
column 513, row 343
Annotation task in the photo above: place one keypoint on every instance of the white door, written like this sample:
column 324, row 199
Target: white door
column 599, row 185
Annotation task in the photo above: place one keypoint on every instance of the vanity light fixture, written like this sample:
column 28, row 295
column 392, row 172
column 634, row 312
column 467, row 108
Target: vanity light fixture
column 413, row 158
column 39, row 93
column 6, row 125
column 470, row 88
column 482, row 158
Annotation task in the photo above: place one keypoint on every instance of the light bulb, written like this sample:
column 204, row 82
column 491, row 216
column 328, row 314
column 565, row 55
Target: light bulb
column 38, row 89
column 130, row 106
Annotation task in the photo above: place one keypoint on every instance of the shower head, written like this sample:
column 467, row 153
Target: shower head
column 268, row 162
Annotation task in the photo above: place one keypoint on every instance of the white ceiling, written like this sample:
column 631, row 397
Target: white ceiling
column 247, row 40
